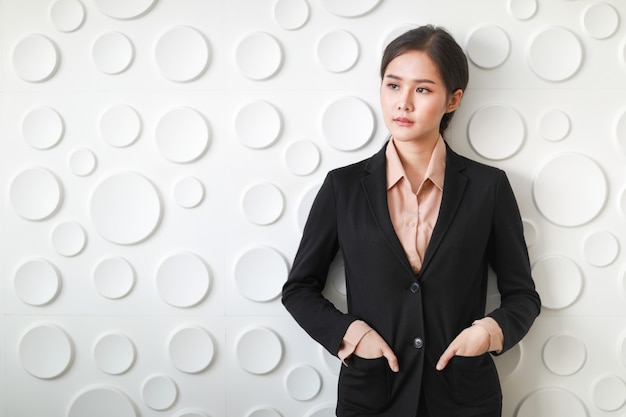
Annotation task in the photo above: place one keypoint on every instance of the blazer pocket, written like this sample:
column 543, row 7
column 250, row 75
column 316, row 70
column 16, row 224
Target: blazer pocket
column 475, row 379
column 364, row 385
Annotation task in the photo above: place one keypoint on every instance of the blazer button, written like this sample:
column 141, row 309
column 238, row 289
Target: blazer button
column 415, row 287
column 418, row 343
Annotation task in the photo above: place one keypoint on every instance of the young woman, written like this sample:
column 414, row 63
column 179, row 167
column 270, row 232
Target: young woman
column 417, row 225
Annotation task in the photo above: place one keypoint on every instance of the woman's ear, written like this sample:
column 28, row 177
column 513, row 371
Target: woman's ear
column 455, row 100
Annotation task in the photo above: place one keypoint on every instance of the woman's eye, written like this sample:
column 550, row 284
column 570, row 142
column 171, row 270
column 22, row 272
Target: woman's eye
column 393, row 86
column 422, row 90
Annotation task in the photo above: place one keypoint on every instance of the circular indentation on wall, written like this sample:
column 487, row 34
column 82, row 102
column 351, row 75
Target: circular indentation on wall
column 558, row 280
column 507, row 364
column 488, row 46
column 258, row 124
column 46, row 351
column 182, row 135
column 68, row 238
column 601, row 248
column 338, row 51
column 101, row 402
column 350, row 8
column 182, row 54
column 621, row 349
column 120, row 125
column 305, row 206
column 124, row 9
column 159, row 392
column 302, row 157
column 42, row 127
column 82, row 162
column 496, row 132
column 600, row 20
column 114, row 353
column 125, row 208
column 183, row 280
column 564, row 354
column 191, row 414
column 259, row 56
column 191, row 349
column 557, row 186
column 188, row 192
column 620, row 132
column 35, row 194
column 263, row 412
column 259, row 351
column 550, row 402
column 348, row 124
column 67, row 15
column 523, row 9
column 291, row 14
column 609, row 393
column 337, row 275
column 554, row 125
column 114, row 278
column 622, row 202
column 263, row 203
column 550, row 66
column 112, row 53
column 303, row 383
column 332, row 362
column 322, row 411
column 530, row 232
column 35, row 58
column 37, row 282
column 260, row 274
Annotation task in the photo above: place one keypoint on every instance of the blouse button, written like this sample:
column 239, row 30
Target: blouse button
column 418, row 343
column 415, row 287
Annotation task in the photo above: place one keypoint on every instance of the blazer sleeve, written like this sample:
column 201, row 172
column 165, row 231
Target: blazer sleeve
column 508, row 255
column 302, row 293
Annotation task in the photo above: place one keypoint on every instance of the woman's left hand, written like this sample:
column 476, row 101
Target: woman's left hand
column 473, row 341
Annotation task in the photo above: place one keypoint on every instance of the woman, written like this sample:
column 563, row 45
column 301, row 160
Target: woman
column 417, row 225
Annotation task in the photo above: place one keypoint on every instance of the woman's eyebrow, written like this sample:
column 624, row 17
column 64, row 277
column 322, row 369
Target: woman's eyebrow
column 418, row 80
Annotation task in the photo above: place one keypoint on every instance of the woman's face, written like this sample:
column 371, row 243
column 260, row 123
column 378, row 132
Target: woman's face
column 414, row 97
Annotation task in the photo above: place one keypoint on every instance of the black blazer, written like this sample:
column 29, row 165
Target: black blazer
column 478, row 225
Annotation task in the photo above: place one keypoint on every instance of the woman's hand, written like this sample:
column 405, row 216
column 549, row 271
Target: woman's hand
column 473, row 341
column 373, row 346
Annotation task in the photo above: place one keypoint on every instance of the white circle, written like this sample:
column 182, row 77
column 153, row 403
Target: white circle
column 559, row 281
column 258, row 125
column 67, row 15
column 263, row 203
column 263, row 412
column 488, row 46
column 338, row 51
column 35, row 58
column 302, row 157
column 557, row 190
column 291, row 14
column 601, row 248
column 35, row 194
column 620, row 132
column 622, row 348
column 120, row 126
column 82, row 162
column 188, row 192
column 68, row 238
column 159, row 392
column 609, row 393
column 37, row 282
column 114, row 278
column 191, row 349
column 259, row 351
column 350, row 8
column 564, row 354
column 523, row 9
column 303, row 383
column 124, row 9
column 496, row 132
column 191, row 414
column 305, row 205
column 182, row 135
column 551, row 402
column 260, row 274
column 554, row 125
column 322, row 411
column 182, row 54
column 112, row 53
column 622, row 202
column 101, row 402
column 338, row 124
column 42, row 127
column 114, row 353
column 553, row 66
column 508, row 363
column 45, row 351
column 530, row 232
column 600, row 20
column 259, row 56
column 183, row 280
column 125, row 208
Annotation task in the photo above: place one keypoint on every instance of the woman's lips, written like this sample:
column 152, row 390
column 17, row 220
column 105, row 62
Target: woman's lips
column 403, row 121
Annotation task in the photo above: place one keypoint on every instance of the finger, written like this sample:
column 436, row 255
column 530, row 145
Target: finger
column 445, row 358
column 392, row 360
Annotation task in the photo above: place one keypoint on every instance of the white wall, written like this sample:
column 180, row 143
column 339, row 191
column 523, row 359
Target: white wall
column 157, row 159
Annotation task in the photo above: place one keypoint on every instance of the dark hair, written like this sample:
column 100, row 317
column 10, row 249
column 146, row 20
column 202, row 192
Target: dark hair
column 445, row 52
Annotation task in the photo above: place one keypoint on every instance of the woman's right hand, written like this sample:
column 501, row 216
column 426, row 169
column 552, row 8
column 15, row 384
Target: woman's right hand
column 372, row 346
